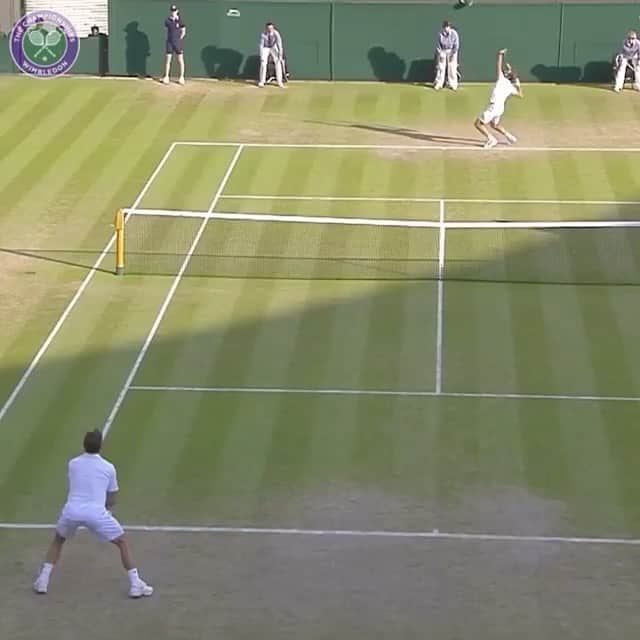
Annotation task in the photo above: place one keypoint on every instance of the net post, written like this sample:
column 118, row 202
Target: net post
column 119, row 227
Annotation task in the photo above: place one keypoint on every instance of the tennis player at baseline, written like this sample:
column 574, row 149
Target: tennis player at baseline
column 507, row 85
column 93, row 486
column 270, row 46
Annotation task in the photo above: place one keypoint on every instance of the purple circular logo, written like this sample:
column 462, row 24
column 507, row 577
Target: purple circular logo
column 44, row 44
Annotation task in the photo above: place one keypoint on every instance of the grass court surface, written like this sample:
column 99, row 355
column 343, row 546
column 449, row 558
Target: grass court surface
column 425, row 432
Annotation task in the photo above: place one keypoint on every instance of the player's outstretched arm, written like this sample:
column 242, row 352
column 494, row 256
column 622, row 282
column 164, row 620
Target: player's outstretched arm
column 500, row 62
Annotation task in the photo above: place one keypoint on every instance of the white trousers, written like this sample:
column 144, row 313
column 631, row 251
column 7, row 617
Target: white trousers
column 447, row 60
column 620, row 73
column 265, row 52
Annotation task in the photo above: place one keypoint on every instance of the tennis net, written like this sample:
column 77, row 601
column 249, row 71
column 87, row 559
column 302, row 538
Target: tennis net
column 242, row 245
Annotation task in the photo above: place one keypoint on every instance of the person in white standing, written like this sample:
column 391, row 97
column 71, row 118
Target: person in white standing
column 507, row 85
column 629, row 55
column 271, row 45
column 447, row 47
column 93, row 486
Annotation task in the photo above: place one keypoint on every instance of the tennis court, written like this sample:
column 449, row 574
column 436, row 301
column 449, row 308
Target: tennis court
column 351, row 390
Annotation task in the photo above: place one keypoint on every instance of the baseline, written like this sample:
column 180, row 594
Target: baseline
column 435, row 534
column 408, row 147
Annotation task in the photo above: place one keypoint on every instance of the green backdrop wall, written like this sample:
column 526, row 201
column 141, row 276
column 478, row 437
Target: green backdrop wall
column 589, row 33
column 220, row 43
column 366, row 47
column 390, row 41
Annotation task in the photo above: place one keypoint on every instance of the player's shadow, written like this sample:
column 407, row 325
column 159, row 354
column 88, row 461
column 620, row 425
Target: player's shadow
column 68, row 257
column 221, row 63
column 601, row 71
column 137, row 50
column 411, row 134
column 555, row 74
column 386, row 65
column 251, row 67
column 421, row 71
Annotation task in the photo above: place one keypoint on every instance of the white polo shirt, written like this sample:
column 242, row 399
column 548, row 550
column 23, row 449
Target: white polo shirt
column 502, row 91
column 90, row 478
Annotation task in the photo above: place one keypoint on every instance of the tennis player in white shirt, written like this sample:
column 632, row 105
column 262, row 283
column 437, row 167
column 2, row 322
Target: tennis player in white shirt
column 507, row 85
column 93, row 486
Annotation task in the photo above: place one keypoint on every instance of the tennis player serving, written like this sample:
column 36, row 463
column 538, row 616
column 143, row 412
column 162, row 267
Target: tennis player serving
column 93, row 486
column 507, row 85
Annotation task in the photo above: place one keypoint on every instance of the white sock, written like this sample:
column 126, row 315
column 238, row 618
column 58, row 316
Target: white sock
column 134, row 578
column 46, row 570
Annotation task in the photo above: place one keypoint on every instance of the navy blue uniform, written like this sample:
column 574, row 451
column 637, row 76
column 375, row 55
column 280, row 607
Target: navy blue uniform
column 174, row 29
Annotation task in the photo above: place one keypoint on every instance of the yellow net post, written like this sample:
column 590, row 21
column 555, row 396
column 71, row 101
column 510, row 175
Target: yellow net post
column 119, row 226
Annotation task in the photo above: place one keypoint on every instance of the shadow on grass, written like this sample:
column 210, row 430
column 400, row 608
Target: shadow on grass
column 406, row 132
column 379, row 336
column 68, row 257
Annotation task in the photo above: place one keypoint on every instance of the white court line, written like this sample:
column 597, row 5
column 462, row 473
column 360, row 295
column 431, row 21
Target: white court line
column 435, row 534
column 387, row 222
column 429, row 200
column 169, row 297
column 409, row 147
column 440, row 303
column 81, row 289
column 276, row 217
column 387, row 392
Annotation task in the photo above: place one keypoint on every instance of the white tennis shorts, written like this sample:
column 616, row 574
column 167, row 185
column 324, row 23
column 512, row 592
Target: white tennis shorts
column 492, row 114
column 100, row 523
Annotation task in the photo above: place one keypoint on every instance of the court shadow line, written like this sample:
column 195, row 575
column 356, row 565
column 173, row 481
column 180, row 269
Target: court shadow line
column 51, row 255
column 406, row 132
column 75, row 389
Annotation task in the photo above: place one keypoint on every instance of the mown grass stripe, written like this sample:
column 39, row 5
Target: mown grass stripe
column 171, row 127
column 68, row 182
column 595, row 494
column 54, row 148
column 13, row 101
column 620, row 456
column 34, row 128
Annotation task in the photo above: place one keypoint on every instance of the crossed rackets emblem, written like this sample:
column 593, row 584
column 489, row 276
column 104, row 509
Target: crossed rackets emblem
column 44, row 39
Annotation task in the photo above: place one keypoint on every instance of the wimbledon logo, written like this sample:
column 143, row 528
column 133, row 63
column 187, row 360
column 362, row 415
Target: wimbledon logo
column 44, row 44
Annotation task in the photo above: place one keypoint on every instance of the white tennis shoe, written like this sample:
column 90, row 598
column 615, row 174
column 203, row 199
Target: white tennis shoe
column 490, row 143
column 511, row 138
column 41, row 585
column 140, row 590
column 165, row 80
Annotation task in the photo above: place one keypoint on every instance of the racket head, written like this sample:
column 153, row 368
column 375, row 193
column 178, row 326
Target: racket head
column 53, row 38
column 36, row 37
